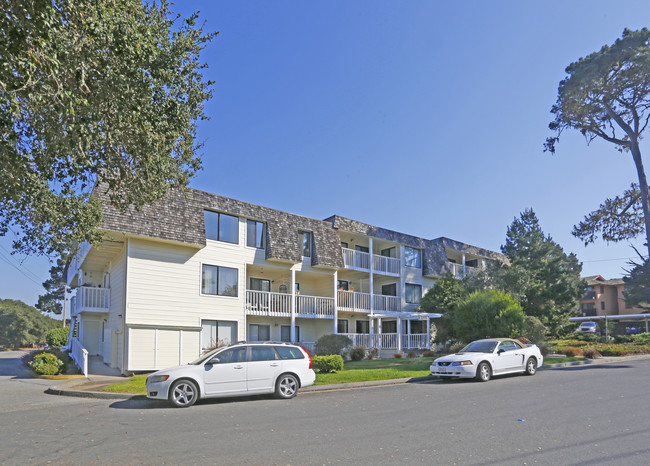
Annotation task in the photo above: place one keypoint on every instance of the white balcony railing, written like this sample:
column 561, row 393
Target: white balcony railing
column 356, row 259
column 458, row 272
column 389, row 340
column 77, row 260
column 387, row 303
column 90, row 299
column 387, row 265
column 267, row 303
column 353, row 301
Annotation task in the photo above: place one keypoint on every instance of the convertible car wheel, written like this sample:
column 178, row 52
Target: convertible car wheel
column 484, row 372
column 531, row 366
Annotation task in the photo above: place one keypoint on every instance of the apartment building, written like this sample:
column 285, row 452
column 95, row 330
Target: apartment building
column 197, row 269
column 605, row 297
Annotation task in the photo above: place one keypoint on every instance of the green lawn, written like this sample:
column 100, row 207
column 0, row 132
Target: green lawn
column 354, row 371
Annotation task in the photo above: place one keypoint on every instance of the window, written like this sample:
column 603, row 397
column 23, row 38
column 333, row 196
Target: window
column 343, row 285
column 344, row 245
column 258, row 332
column 508, row 346
column 602, row 289
column 362, row 248
column 288, row 352
column 232, row 355
column 389, row 252
column 285, row 333
column 306, row 243
column 263, row 353
column 255, row 234
column 412, row 257
column 220, row 281
column 413, row 293
column 471, row 263
column 602, row 305
column 260, row 284
column 363, row 326
column 418, row 326
column 342, row 326
column 221, row 227
column 215, row 332
column 389, row 290
column 389, row 326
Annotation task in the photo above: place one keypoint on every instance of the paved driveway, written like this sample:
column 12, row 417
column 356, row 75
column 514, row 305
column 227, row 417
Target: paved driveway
column 578, row 415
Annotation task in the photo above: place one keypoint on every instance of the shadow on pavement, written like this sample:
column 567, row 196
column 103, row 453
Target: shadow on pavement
column 141, row 402
column 586, row 367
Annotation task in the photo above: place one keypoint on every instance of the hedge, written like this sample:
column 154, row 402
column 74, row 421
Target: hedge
column 325, row 364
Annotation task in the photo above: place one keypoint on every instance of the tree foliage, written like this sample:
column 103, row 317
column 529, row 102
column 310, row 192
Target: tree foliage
column 93, row 92
column 51, row 301
column 443, row 298
column 541, row 275
column 22, row 325
column 637, row 285
column 607, row 95
column 485, row 314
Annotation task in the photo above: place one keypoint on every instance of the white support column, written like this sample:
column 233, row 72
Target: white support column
column 336, row 303
column 399, row 334
column 428, row 333
column 379, row 333
column 408, row 330
column 372, row 293
column 293, row 306
column 464, row 265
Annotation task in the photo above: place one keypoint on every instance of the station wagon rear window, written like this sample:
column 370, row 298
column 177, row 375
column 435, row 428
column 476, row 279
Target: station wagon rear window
column 288, row 352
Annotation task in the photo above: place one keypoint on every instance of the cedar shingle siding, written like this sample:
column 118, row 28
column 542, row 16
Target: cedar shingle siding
column 179, row 218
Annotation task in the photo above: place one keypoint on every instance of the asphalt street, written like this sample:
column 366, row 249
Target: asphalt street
column 593, row 414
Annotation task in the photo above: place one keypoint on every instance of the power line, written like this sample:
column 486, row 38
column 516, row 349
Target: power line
column 609, row 260
column 21, row 264
column 19, row 269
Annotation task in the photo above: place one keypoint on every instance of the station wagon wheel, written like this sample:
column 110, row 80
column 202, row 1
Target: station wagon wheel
column 286, row 386
column 484, row 372
column 183, row 393
column 531, row 366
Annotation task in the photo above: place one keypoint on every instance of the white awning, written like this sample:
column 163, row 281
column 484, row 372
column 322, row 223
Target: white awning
column 612, row 317
column 406, row 315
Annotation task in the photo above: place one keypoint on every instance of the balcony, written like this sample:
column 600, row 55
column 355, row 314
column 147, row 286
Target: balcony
column 589, row 295
column 271, row 304
column 90, row 299
column 458, row 272
column 357, row 260
column 360, row 302
column 389, row 340
column 77, row 260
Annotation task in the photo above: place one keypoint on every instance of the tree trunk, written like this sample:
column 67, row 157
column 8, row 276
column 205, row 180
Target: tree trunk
column 643, row 186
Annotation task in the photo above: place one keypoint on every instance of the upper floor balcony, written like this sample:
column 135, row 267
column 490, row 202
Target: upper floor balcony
column 90, row 299
column 459, row 271
column 75, row 264
column 359, row 260
column 268, row 303
column 360, row 302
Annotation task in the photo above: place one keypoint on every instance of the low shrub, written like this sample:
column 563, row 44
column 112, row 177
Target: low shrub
column 357, row 353
column 592, row 353
column 572, row 351
column 373, row 353
column 411, row 355
column 397, row 355
column 428, row 354
column 545, row 349
column 623, row 339
column 641, row 338
column 58, row 337
column 328, row 363
column 331, row 344
column 47, row 363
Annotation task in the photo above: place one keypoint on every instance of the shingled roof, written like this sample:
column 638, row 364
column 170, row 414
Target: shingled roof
column 179, row 218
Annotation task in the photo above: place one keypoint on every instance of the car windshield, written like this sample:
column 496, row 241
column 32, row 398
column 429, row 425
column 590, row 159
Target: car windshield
column 589, row 324
column 205, row 357
column 480, row 347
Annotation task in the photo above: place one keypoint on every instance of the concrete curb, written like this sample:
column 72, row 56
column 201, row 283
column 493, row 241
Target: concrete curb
column 74, row 389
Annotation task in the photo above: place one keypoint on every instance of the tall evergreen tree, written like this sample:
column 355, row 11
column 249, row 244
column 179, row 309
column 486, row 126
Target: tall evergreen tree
column 545, row 279
column 52, row 300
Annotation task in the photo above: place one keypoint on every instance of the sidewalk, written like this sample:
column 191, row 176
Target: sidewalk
column 91, row 386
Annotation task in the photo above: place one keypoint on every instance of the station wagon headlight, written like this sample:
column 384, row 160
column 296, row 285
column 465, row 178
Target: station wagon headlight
column 462, row 363
column 158, row 378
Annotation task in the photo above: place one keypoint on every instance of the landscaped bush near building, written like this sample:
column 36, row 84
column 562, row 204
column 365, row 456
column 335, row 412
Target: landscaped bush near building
column 47, row 364
column 331, row 344
column 591, row 353
column 58, row 337
column 373, row 353
column 357, row 353
column 572, row 351
column 329, row 363
column 397, row 355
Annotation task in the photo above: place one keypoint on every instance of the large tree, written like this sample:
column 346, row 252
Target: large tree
column 544, row 279
column 22, row 325
column 93, row 92
column 52, row 300
column 607, row 95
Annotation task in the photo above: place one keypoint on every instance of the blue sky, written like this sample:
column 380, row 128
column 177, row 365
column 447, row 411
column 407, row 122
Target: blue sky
column 424, row 117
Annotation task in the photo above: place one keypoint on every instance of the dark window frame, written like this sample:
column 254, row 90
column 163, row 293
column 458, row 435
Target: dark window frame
column 411, row 286
column 217, row 286
column 255, row 224
column 218, row 236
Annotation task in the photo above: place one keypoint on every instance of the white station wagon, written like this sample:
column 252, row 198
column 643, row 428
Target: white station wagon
column 482, row 359
column 237, row 370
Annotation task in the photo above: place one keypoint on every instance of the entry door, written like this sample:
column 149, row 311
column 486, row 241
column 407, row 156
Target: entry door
column 228, row 376
column 91, row 336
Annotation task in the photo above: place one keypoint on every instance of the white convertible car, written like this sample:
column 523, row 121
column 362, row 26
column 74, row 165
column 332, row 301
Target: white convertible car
column 482, row 359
